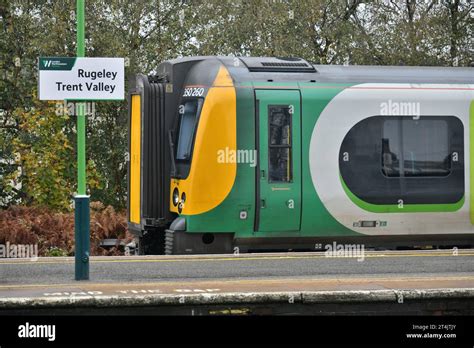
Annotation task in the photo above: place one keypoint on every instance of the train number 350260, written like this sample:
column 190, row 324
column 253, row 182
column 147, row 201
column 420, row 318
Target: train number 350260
column 193, row 92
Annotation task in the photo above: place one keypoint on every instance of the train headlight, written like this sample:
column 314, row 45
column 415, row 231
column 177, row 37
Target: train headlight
column 183, row 197
column 175, row 196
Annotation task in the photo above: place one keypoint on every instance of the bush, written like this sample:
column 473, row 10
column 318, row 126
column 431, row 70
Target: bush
column 54, row 231
column 54, row 251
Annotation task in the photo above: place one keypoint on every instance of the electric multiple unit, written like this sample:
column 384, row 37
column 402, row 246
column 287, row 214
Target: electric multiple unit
column 277, row 153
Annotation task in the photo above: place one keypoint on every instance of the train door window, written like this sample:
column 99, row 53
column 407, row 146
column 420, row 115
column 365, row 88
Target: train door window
column 415, row 147
column 187, row 127
column 279, row 144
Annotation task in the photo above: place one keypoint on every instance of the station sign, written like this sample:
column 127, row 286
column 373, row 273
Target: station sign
column 80, row 78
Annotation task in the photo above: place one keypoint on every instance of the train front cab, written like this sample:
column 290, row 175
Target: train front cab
column 206, row 124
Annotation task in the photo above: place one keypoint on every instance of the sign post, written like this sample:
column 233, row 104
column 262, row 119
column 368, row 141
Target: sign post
column 81, row 200
column 80, row 79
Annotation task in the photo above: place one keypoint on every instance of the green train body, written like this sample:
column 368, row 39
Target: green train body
column 274, row 153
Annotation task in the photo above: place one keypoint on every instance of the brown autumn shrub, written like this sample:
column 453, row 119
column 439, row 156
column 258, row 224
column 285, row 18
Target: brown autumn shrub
column 54, row 231
column 106, row 223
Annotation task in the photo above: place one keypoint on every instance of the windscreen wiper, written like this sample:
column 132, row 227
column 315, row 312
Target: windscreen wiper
column 173, row 162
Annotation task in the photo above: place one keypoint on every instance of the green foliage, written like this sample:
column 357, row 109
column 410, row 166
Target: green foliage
column 44, row 156
column 55, row 252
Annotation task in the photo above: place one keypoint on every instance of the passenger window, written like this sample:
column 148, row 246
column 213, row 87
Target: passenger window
column 385, row 159
column 279, row 144
column 415, row 148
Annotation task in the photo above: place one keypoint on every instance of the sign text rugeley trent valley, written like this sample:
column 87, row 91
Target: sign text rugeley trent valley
column 81, row 78
column 90, row 86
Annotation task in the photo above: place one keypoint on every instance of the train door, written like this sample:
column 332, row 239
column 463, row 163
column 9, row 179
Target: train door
column 278, row 203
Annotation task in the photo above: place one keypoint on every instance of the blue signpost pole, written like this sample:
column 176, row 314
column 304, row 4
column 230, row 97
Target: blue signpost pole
column 81, row 232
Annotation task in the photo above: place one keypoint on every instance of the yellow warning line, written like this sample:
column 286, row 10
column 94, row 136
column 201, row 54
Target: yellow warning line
column 322, row 256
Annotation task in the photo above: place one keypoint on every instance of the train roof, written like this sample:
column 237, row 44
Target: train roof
column 263, row 69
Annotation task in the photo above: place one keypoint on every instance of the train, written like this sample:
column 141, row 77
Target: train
column 239, row 154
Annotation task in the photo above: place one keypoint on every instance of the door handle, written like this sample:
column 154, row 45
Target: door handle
column 262, row 203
